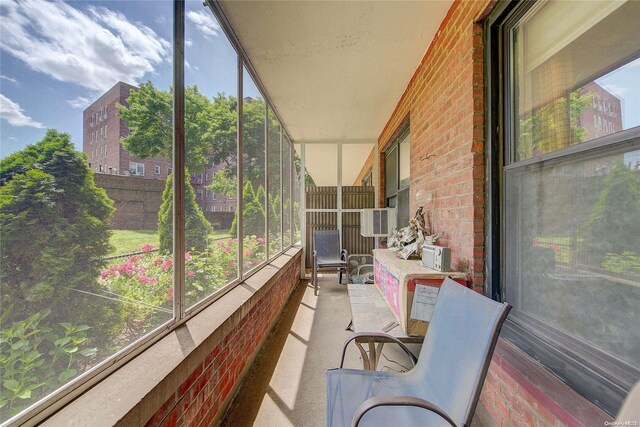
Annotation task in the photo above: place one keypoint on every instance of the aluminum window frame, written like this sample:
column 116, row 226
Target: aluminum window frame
column 54, row 401
column 597, row 376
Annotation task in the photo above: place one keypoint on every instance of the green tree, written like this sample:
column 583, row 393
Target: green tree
column 208, row 126
column 224, row 182
column 609, row 229
column 550, row 128
column 55, row 231
column 197, row 228
column 253, row 213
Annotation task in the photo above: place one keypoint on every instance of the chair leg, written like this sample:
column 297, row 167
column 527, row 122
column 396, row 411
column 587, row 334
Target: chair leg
column 315, row 276
column 340, row 276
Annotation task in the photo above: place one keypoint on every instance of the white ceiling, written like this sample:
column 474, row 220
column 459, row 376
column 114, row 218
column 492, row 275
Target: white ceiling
column 335, row 70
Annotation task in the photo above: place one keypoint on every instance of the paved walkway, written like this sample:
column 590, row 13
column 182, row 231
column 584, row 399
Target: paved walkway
column 286, row 384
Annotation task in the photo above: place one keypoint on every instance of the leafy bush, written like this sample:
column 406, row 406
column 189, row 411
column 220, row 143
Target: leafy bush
column 145, row 281
column 615, row 214
column 55, row 231
column 626, row 262
column 35, row 359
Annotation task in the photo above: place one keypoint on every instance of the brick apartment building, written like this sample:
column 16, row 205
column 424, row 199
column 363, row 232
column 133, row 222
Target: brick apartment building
column 102, row 132
column 604, row 117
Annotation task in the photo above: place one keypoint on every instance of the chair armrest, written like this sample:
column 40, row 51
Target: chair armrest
column 417, row 402
column 376, row 337
column 344, row 255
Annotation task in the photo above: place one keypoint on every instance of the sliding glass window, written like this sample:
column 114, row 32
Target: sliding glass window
column 86, row 267
column 254, row 174
column 571, row 191
column 274, row 185
column 89, row 218
column 287, row 200
column 211, row 126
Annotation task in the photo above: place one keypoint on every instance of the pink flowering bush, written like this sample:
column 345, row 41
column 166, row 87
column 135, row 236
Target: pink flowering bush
column 144, row 282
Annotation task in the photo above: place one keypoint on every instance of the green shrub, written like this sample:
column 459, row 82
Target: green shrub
column 197, row 227
column 626, row 262
column 613, row 217
column 253, row 214
column 55, row 231
column 35, row 359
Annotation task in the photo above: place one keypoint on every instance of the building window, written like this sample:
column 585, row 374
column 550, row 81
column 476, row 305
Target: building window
column 367, row 181
column 232, row 208
column 213, row 196
column 169, row 171
column 157, row 170
column 136, row 169
column 567, row 195
column 396, row 159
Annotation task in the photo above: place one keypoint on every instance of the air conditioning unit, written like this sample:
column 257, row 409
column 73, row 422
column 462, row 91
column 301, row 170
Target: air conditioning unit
column 377, row 222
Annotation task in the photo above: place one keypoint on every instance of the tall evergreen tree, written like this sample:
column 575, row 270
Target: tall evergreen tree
column 197, row 228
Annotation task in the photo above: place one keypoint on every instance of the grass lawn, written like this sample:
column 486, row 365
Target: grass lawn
column 126, row 241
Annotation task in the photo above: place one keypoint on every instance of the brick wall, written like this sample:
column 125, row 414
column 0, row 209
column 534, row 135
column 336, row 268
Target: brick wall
column 137, row 201
column 518, row 391
column 366, row 168
column 444, row 101
column 203, row 397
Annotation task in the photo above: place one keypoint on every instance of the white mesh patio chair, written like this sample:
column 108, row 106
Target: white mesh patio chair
column 327, row 254
column 443, row 387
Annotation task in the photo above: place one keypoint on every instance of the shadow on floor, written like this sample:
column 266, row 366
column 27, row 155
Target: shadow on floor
column 286, row 384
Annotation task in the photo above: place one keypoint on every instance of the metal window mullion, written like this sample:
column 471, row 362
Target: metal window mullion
column 339, row 193
column 267, row 205
column 292, row 174
column 178, row 161
column 376, row 185
column 239, row 175
column 303, row 210
column 282, row 192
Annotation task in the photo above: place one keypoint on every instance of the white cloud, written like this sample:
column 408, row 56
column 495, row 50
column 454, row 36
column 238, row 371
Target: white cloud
column 12, row 113
column 94, row 49
column 188, row 43
column 11, row 79
column 204, row 22
column 79, row 102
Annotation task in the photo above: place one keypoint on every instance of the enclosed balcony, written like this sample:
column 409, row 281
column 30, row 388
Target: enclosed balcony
column 166, row 164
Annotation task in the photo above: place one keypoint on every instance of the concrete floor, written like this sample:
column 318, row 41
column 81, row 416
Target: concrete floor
column 286, row 384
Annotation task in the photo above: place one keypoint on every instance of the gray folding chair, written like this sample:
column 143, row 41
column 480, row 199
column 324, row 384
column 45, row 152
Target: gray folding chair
column 443, row 387
column 327, row 254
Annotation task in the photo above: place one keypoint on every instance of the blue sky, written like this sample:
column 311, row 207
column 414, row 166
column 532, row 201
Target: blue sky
column 58, row 57
column 624, row 83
